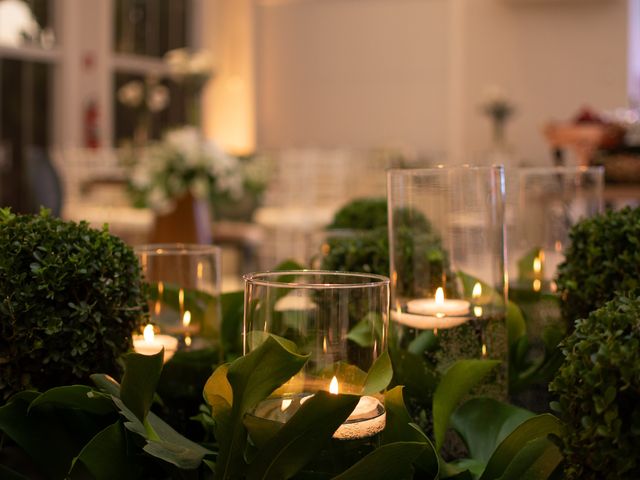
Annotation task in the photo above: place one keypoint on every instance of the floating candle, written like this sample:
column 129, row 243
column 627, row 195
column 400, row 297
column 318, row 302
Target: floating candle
column 438, row 306
column 149, row 343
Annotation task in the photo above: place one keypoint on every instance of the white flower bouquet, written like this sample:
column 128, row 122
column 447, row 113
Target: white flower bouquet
column 184, row 163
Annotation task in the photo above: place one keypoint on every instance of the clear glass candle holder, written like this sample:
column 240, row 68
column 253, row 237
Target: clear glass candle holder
column 184, row 291
column 447, row 254
column 543, row 203
column 340, row 320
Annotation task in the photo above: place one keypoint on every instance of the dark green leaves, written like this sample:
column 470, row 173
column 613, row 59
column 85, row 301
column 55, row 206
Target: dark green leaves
column 139, row 382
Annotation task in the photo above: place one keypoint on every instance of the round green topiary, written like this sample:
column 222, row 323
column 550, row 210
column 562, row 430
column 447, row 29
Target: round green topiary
column 602, row 260
column 70, row 297
column 598, row 388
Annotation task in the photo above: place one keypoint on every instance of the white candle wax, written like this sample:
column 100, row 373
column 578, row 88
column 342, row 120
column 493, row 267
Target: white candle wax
column 150, row 344
column 438, row 306
column 427, row 322
column 367, row 419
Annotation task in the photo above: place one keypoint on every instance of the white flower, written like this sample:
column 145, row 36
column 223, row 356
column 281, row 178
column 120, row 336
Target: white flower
column 186, row 141
column 158, row 200
column 131, row 94
column 158, row 98
column 200, row 188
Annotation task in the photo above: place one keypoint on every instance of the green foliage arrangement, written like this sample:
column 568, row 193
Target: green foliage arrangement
column 598, row 387
column 70, row 297
column 358, row 241
column 602, row 260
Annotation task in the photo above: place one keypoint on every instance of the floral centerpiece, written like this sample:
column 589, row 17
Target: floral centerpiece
column 183, row 163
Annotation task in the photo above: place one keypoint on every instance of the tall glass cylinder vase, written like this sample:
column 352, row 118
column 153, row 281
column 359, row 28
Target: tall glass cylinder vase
column 543, row 203
column 446, row 243
column 184, row 283
column 340, row 320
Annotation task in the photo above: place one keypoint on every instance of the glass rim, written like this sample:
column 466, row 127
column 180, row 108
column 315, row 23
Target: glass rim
column 263, row 279
column 558, row 169
column 445, row 168
column 168, row 249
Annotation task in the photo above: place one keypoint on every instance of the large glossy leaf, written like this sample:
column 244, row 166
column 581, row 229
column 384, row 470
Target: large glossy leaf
column 33, row 433
column 484, row 422
column 412, row 371
column 252, row 378
column 106, row 384
column 400, row 428
column 301, row 438
column 379, row 375
column 536, row 427
column 105, row 456
column 76, row 396
column 538, row 460
column 457, row 381
column 141, row 375
column 261, row 430
column 393, row 460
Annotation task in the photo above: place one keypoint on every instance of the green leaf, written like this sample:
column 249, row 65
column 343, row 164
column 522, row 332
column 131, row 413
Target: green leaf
column 362, row 334
column 7, row 474
column 106, row 383
column 393, row 460
column 400, row 428
column 232, row 305
column 76, row 396
column 537, row 460
column 379, row 375
column 34, row 433
column 424, row 341
column 252, row 378
column 139, row 381
column 516, row 325
column 413, row 372
column 301, row 438
column 105, row 456
column 261, row 430
column 537, row 427
column 484, row 422
column 456, row 382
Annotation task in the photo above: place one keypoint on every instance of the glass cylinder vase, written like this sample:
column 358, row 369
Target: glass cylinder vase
column 184, row 291
column 340, row 320
column 447, row 257
column 543, row 203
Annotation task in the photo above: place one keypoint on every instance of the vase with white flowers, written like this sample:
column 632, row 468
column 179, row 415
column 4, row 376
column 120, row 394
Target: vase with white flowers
column 180, row 177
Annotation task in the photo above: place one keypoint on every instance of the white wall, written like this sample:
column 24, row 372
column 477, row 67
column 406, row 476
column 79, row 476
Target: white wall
column 412, row 72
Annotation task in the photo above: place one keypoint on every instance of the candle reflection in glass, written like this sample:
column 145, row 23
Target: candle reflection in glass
column 340, row 320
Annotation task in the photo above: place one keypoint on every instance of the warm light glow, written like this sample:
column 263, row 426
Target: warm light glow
column 333, row 386
column 324, row 344
column 187, row 340
column 477, row 311
column 477, row 290
column 558, row 246
column 537, row 285
column 537, row 264
column 286, row 403
column 484, row 350
column 440, row 296
column 200, row 270
column 553, row 287
column 148, row 333
column 181, row 298
column 160, row 289
column 186, row 319
column 157, row 307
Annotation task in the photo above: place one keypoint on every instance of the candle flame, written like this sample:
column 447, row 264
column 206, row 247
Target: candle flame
column 537, row 264
column 324, row 344
column 558, row 246
column 148, row 333
column 181, row 298
column 286, row 403
column 477, row 311
column 333, row 386
column 440, row 296
column 200, row 270
column 537, row 285
column 484, row 350
column 553, row 287
column 477, row 290
column 186, row 319
column 187, row 340
column 157, row 307
column 160, row 288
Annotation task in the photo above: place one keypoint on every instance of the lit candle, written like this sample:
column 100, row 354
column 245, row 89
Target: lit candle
column 430, row 314
column 537, row 269
column 367, row 419
column 149, row 343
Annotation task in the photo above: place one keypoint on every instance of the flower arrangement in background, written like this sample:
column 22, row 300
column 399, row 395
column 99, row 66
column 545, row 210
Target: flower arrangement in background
column 184, row 163
column 145, row 97
column 497, row 106
column 192, row 71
